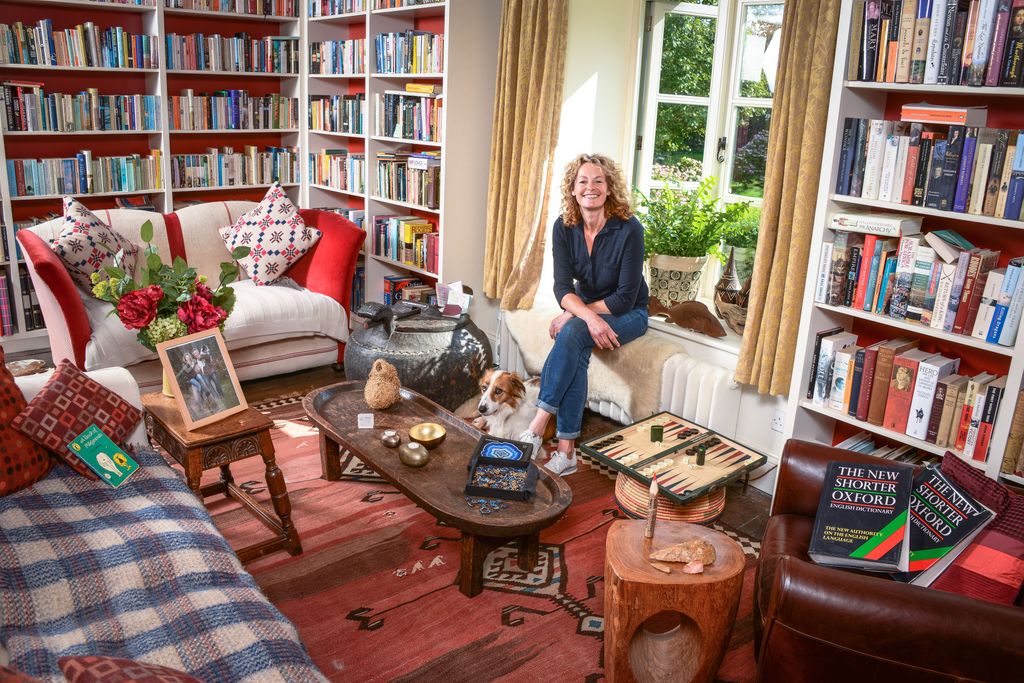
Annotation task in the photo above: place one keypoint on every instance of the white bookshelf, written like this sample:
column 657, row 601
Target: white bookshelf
column 869, row 100
column 471, row 31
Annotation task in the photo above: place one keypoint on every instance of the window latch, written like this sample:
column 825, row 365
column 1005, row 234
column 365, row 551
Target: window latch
column 720, row 151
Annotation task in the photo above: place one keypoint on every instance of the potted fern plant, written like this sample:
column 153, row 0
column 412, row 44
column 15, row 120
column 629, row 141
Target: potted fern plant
column 681, row 227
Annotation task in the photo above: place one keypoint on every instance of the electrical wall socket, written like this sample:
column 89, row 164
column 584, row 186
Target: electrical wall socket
column 779, row 420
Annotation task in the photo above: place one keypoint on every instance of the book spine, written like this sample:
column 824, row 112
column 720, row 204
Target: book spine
column 901, row 387
column 949, row 24
column 999, row 33
column 908, row 17
column 824, row 270
column 846, row 153
column 867, row 382
column 1014, row 440
column 987, row 303
column 943, row 293
column 864, row 271
column 978, row 297
column 995, row 171
column 880, row 387
column 1003, row 301
column 853, row 58
column 913, row 159
column 971, row 437
column 851, row 275
column 869, row 50
column 964, row 172
column 935, row 39
column 954, row 393
column 970, row 278
column 969, row 37
column 919, row 49
column 935, row 416
column 1008, row 335
column 921, row 172
column 859, row 159
column 856, row 384
column 993, row 397
column 873, row 159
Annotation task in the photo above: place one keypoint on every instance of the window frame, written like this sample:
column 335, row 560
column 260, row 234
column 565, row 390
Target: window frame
column 723, row 100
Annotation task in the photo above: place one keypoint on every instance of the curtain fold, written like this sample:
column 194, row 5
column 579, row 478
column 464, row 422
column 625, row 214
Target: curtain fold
column 527, row 106
column 799, row 117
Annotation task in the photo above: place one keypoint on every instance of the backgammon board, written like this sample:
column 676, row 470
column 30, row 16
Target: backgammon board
column 674, row 458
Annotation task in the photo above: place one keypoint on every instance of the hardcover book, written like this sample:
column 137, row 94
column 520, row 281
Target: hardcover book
column 826, row 364
column 943, row 520
column 842, row 377
column 901, row 389
column 867, row 385
column 883, row 375
column 861, row 520
column 103, row 456
column 955, row 386
column 821, row 334
column 929, row 372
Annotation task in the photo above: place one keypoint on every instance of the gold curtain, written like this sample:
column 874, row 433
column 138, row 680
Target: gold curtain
column 527, row 105
column 799, row 116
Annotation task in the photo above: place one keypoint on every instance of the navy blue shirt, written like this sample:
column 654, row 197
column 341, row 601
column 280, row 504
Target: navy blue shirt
column 613, row 271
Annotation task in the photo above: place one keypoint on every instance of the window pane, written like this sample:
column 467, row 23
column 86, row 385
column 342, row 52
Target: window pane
column 762, row 31
column 679, row 142
column 751, row 151
column 687, row 53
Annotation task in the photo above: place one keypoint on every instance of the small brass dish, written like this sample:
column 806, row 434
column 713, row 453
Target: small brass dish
column 430, row 434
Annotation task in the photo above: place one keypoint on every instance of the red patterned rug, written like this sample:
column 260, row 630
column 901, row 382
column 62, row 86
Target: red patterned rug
column 374, row 596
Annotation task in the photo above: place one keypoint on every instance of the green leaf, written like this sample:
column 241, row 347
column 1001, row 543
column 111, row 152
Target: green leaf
column 146, row 231
column 239, row 253
column 153, row 261
column 114, row 272
column 179, row 265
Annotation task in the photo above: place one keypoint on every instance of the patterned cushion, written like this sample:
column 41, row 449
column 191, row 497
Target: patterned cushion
column 94, row 669
column 11, row 676
column 275, row 234
column 992, row 566
column 22, row 462
column 66, row 406
column 86, row 244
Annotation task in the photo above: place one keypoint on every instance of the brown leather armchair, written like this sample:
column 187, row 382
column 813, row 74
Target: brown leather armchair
column 815, row 623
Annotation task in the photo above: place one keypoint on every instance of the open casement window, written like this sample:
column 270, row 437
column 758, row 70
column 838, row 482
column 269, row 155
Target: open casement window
column 708, row 76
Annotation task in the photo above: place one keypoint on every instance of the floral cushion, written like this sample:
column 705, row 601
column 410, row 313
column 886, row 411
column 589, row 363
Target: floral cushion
column 66, row 406
column 275, row 234
column 86, row 244
column 22, row 462
column 93, row 669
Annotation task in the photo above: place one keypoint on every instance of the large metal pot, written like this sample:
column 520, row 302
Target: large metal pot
column 441, row 358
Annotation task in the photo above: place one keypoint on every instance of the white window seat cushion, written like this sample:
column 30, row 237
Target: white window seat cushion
column 261, row 315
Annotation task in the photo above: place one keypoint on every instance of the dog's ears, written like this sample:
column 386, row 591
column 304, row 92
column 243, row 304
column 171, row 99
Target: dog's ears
column 477, row 371
column 518, row 388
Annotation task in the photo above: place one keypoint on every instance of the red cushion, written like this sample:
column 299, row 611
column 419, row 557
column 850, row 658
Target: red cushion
column 992, row 567
column 94, row 669
column 66, row 406
column 22, row 462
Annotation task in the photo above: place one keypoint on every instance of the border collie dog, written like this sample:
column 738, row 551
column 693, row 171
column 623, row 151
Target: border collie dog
column 507, row 405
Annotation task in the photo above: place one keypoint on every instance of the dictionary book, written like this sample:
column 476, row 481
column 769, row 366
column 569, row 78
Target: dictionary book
column 861, row 521
column 944, row 519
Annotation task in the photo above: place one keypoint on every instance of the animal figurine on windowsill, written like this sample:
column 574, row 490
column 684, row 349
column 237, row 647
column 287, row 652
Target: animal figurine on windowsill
column 692, row 315
column 508, row 404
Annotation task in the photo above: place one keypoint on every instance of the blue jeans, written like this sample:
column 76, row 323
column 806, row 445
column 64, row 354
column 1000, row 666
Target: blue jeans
column 563, row 381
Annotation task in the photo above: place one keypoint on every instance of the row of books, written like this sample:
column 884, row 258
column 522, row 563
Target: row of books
column 407, row 239
column 413, row 177
column 963, row 169
column 333, row 8
column 410, row 116
column 240, row 53
column 85, row 45
column 394, row 4
column 880, row 517
column 863, row 442
column 279, row 8
column 338, row 113
column 358, row 297
column 338, row 57
column 949, row 42
column 395, row 286
column 357, row 216
column 84, row 174
column 227, row 168
column 29, row 303
column 409, row 52
column 939, row 280
column 29, row 108
column 338, row 169
column 900, row 387
column 231, row 110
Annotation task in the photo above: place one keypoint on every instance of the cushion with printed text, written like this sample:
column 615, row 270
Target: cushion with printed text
column 87, row 245
column 992, row 566
column 66, row 406
column 275, row 233
column 94, row 669
column 22, row 461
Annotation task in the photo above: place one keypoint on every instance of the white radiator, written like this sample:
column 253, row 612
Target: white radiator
column 692, row 389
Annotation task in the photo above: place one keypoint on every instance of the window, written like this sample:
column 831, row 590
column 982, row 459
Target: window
column 707, row 86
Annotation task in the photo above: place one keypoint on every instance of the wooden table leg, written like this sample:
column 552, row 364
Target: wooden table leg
column 193, row 466
column 474, row 551
column 278, row 494
column 529, row 551
column 330, row 458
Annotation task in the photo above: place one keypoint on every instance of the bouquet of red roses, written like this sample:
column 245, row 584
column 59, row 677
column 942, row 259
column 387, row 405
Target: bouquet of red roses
column 167, row 301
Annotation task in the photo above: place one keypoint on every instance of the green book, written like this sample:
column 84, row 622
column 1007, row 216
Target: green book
column 103, row 456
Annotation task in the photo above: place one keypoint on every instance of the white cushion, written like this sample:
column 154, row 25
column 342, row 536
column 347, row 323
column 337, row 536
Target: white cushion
column 200, row 231
column 260, row 315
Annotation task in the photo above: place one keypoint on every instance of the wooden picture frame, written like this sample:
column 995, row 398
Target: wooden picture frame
column 200, row 374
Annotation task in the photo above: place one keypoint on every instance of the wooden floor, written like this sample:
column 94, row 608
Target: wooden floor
column 746, row 511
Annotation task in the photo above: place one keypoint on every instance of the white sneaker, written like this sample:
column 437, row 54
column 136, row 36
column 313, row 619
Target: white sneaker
column 534, row 440
column 561, row 464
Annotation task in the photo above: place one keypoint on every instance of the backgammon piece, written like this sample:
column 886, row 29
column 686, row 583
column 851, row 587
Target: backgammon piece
column 657, row 433
column 700, row 459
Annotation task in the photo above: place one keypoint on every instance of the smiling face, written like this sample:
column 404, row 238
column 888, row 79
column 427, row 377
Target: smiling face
column 591, row 188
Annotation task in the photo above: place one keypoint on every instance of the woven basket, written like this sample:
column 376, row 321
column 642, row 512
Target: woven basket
column 632, row 496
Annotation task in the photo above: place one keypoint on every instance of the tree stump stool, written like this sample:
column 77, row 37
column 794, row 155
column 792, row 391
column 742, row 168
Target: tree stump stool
column 667, row 627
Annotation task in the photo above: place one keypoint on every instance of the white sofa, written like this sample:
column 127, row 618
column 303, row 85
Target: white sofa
column 297, row 324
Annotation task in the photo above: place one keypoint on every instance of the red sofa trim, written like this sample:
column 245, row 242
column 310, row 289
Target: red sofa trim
column 175, row 240
column 55, row 276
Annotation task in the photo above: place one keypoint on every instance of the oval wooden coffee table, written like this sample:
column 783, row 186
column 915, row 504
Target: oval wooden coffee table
column 438, row 486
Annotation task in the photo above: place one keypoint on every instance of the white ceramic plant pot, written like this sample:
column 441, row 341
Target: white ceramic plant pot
column 674, row 279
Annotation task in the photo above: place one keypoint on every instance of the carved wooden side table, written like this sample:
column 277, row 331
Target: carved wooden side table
column 235, row 438
column 667, row 627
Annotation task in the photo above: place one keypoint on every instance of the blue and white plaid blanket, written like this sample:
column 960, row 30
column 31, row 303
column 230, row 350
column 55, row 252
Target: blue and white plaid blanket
column 137, row 572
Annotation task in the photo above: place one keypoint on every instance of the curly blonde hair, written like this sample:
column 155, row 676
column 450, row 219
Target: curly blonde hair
column 618, row 202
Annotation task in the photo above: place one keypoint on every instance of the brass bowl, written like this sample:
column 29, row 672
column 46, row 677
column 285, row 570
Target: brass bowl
column 430, row 434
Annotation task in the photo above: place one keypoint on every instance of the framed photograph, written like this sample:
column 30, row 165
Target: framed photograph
column 205, row 386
